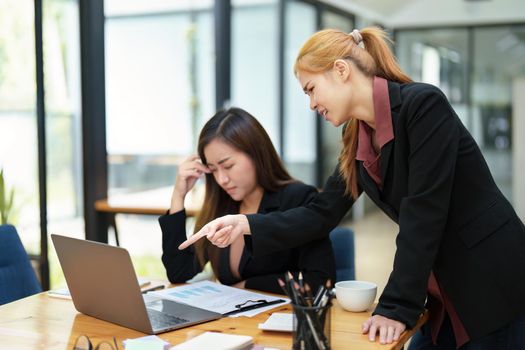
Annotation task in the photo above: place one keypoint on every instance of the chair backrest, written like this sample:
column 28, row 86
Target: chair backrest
column 343, row 245
column 17, row 277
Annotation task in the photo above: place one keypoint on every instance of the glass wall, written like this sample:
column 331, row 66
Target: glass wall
column 159, row 92
column 159, row 88
column 474, row 67
column 18, row 124
column 497, row 60
column 18, row 127
column 63, row 123
column 299, row 120
column 254, row 62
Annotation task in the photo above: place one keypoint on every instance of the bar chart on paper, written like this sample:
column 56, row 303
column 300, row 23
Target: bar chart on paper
column 195, row 292
column 217, row 297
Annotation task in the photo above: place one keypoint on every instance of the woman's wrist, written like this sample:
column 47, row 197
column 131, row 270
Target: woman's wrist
column 177, row 203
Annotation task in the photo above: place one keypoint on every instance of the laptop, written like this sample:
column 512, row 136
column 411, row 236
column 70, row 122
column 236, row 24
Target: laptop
column 103, row 284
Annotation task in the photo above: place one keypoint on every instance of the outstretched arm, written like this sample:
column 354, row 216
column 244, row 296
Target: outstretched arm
column 221, row 231
column 276, row 231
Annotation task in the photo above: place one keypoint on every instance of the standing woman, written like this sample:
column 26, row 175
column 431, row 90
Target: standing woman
column 244, row 175
column 460, row 246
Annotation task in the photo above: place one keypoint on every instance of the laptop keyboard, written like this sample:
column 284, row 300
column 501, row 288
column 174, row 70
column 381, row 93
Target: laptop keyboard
column 159, row 319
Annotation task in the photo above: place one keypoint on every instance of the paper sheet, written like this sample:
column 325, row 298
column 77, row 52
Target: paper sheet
column 217, row 297
column 149, row 342
column 216, row 341
column 279, row 322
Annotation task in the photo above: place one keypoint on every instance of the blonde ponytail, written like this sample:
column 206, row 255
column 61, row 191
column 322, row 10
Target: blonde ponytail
column 375, row 41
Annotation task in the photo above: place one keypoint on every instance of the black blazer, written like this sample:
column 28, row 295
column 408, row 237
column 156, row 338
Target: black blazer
column 452, row 217
column 315, row 259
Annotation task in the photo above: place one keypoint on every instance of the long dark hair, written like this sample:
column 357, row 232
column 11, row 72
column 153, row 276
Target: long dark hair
column 242, row 131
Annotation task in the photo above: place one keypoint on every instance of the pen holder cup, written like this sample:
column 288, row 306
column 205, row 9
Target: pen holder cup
column 311, row 327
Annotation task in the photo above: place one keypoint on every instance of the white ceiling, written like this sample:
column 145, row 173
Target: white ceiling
column 424, row 13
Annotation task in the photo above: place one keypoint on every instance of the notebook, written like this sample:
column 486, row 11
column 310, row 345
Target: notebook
column 103, row 284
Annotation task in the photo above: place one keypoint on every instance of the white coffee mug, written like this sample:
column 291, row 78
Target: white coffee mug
column 356, row 296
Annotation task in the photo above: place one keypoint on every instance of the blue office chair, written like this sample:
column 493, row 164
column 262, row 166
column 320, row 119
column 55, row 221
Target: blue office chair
column 343, row 245
column 17, row 277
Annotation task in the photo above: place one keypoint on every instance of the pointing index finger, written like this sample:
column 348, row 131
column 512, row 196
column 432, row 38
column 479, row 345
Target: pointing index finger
column 193, row 239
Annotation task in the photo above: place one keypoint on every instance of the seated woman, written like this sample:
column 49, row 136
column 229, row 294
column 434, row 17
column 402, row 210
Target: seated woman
column 244, row 175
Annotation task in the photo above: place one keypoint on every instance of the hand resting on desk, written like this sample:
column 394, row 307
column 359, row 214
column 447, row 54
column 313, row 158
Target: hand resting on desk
column 389, row 330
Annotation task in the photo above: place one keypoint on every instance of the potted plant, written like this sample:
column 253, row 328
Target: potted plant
column 6, row 200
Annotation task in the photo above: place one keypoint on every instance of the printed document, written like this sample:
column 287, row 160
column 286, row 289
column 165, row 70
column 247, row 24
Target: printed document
column 218, row 297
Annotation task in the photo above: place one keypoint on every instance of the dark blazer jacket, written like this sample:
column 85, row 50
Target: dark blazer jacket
column 315, row 259
column 452, row 217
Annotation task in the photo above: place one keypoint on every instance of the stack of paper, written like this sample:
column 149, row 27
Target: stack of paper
column 216, row 341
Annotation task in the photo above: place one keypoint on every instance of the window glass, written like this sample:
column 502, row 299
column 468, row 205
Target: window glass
column 479, row 86
column 159, row 92
column 63, row 123
column 254, row 62
column 18, row 127
column 159, row 88
column 299, row 120
column 498, row 60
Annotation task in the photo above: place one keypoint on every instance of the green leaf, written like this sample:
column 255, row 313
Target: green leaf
column 9, row 205
column 3, row 218
column 6, row 204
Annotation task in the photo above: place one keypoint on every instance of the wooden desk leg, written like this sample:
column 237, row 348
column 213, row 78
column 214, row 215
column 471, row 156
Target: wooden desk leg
column 112, row 222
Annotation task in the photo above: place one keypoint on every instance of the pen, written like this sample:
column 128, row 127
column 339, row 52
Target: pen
column 152, row 289
column 253, row 306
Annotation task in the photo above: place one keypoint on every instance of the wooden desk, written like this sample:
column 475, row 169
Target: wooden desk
column 43, row 322
column 150, row 202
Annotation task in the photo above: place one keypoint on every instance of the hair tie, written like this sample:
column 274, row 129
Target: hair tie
column 358, row 38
